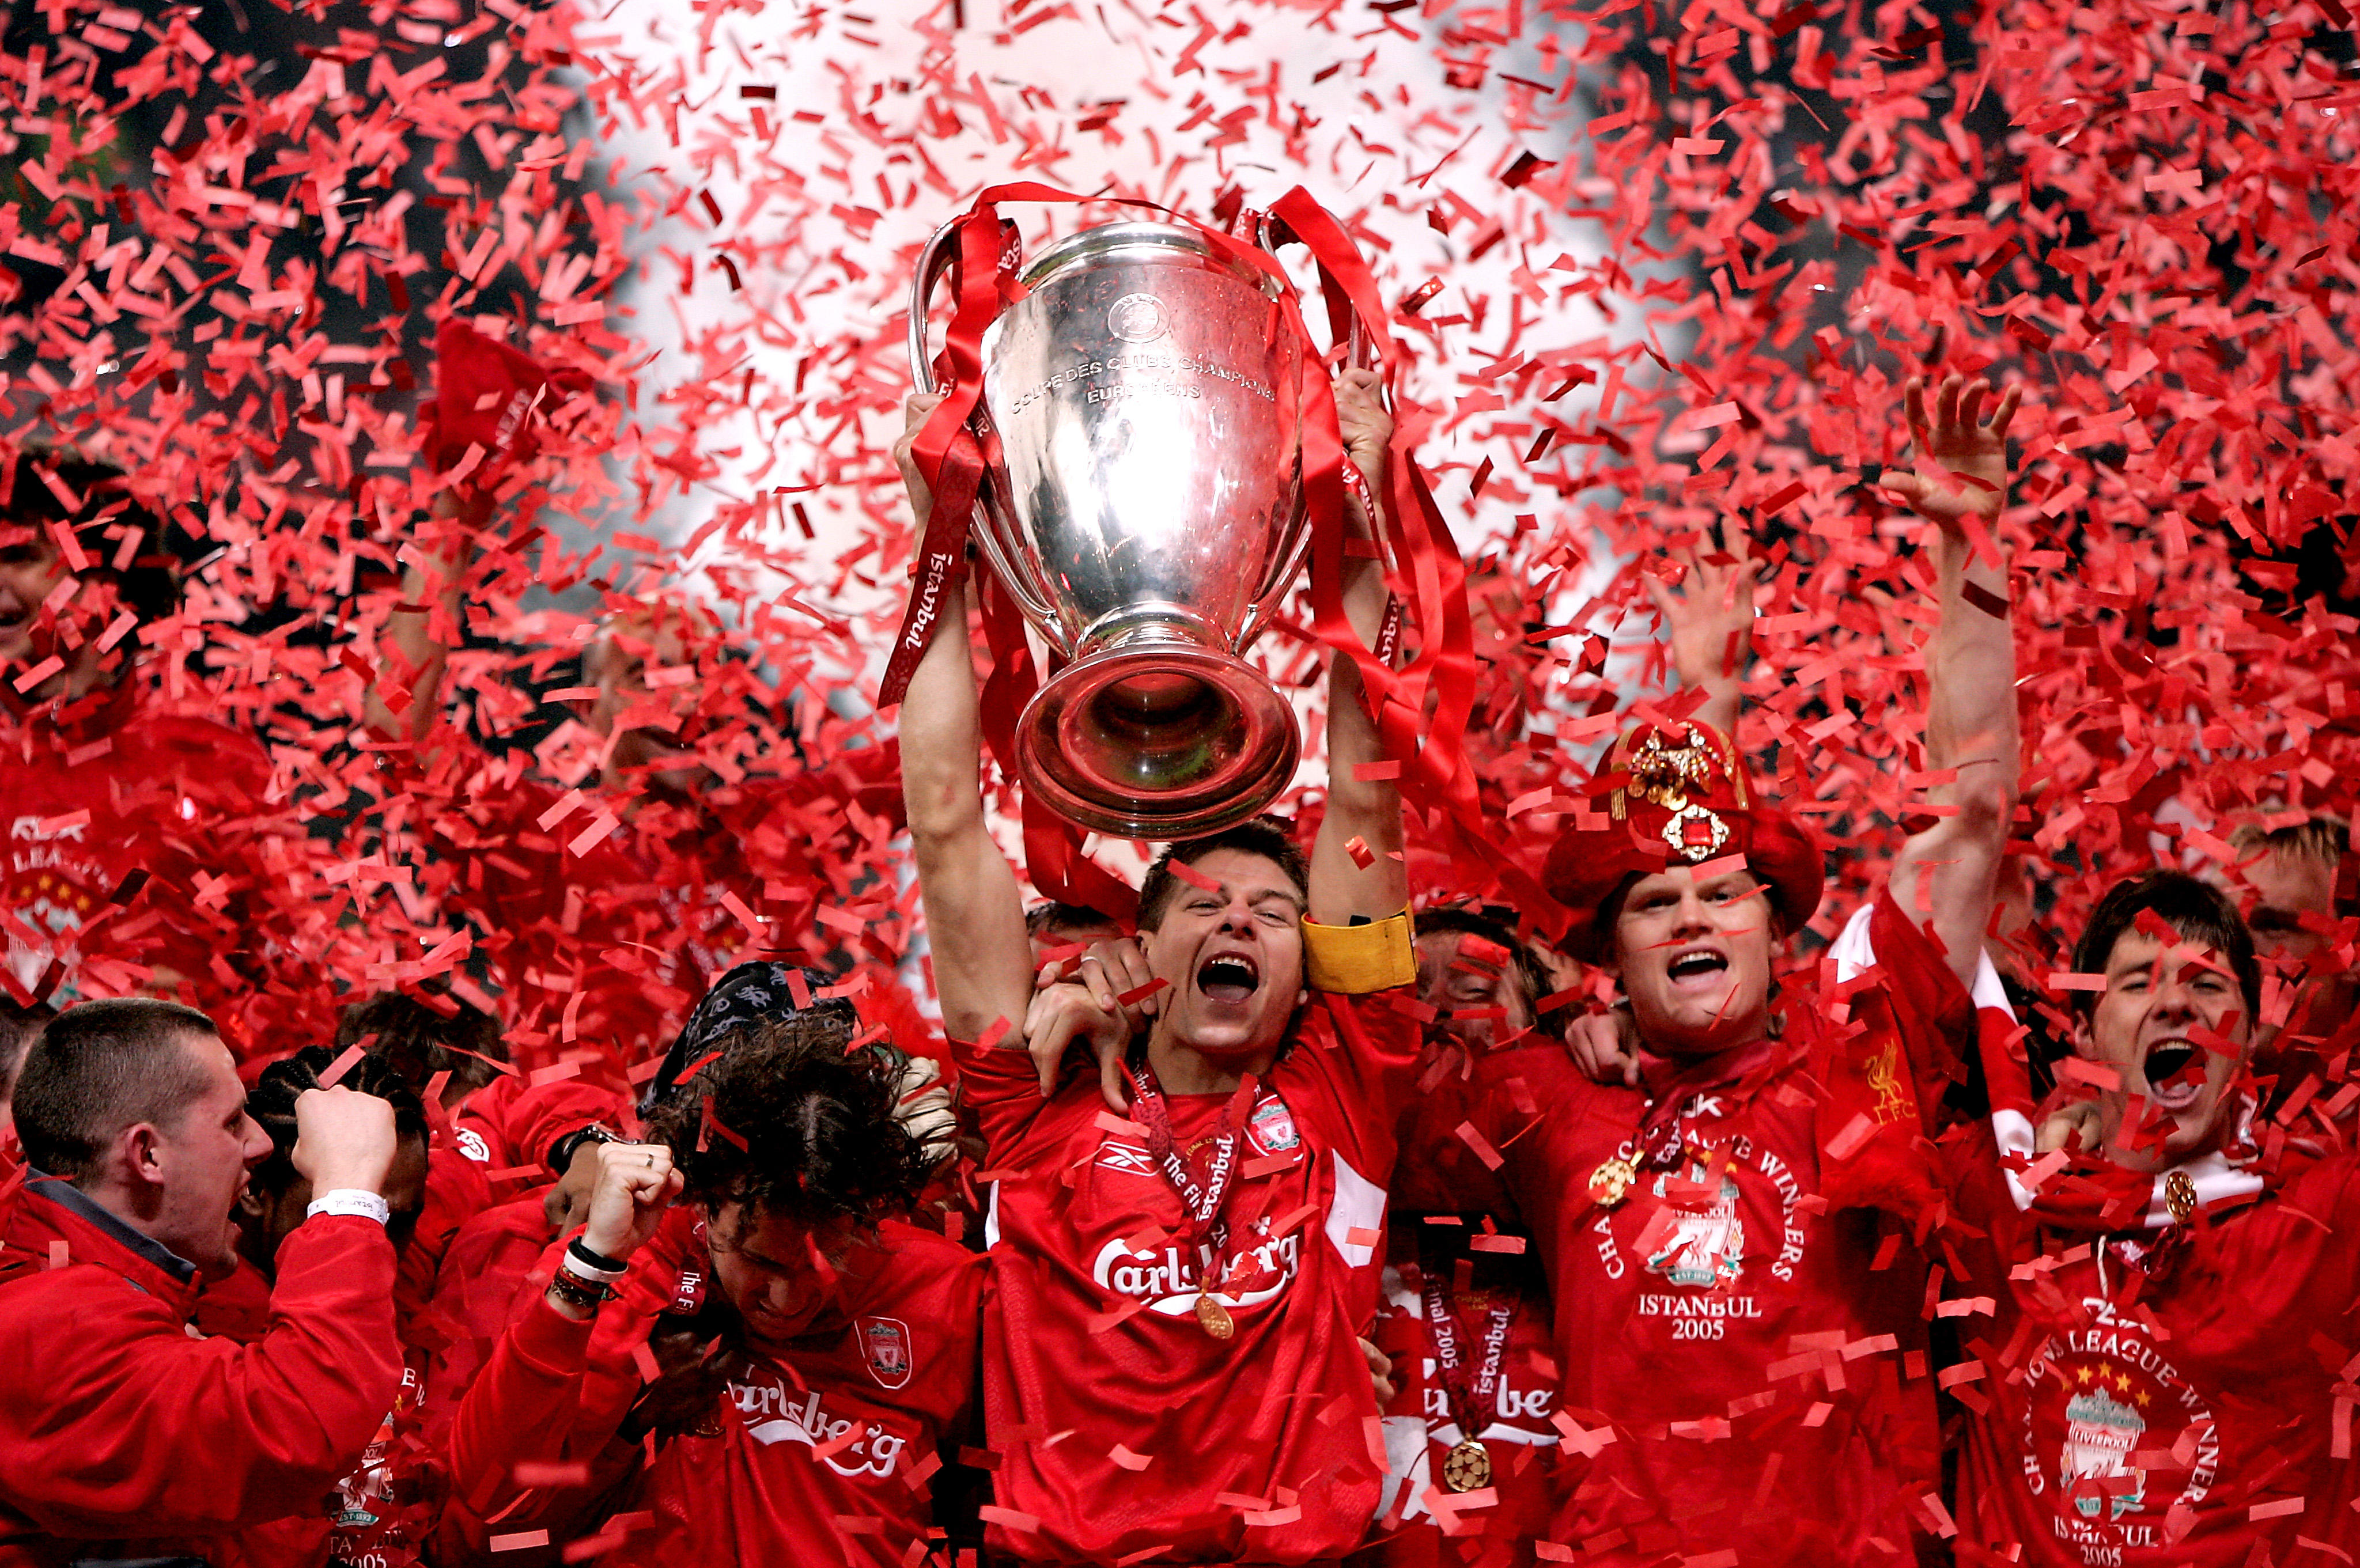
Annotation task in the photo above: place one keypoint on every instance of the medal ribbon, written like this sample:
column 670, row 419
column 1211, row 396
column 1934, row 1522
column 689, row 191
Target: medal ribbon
column 1202, row 1198
column 1474, row 1396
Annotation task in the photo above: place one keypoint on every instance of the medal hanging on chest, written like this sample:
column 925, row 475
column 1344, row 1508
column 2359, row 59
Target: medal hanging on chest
column 1202, row 1194
column 1611, row 1182
column 1658, row 1146
column 1473, row 1391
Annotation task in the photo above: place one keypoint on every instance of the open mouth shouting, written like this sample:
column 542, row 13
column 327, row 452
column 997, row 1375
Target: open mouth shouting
column 1230, row 978
column 2175, row 1074
column 1697, row 970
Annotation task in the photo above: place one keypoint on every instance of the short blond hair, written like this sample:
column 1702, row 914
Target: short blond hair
column 2322, row 839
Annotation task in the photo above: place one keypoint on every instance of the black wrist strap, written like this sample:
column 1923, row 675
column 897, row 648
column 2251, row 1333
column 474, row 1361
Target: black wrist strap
column 563, row 1150
column 597, row 1260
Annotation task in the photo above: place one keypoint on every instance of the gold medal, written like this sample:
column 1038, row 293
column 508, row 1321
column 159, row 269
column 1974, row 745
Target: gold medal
column 1468, row 1466
column 2178, row 1197
column 1215, row 1320
column 1609, row 1183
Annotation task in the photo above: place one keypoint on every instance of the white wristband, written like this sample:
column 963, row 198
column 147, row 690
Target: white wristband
column 355, row 1201
column 574, row 1263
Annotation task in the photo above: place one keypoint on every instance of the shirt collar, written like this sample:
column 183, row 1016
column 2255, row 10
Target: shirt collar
column 64, row 1193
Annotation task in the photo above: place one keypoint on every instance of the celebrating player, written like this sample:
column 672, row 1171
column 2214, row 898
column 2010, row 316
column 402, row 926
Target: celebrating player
column 764, row 1371
column 1171, row 1370
column 1741, row 1333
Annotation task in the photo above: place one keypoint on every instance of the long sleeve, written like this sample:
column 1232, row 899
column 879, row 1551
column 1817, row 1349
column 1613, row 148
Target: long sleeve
column 116, row 1422
column 552, row 1393
column 524, row 1408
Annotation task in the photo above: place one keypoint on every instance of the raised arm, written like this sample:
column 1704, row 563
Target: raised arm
column 434, row 567
column 975, row 911
column 490, row 411
column 1709, row 621
column 1364, row 809
column 1945, row 878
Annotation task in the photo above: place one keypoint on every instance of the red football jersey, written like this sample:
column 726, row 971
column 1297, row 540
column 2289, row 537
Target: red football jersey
column 1743, row 1372
column 126, row 787
column 820, row 1454
column 1432, row 1525
column 1121, row 1427
column 2184, row 1418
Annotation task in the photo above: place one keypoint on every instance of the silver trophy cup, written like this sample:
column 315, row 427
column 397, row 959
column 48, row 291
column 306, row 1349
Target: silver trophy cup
column 1142, row 502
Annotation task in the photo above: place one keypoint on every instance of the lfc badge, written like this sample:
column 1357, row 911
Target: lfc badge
column 1611, row 1180
column 1468, row 1466
column 885, row 1344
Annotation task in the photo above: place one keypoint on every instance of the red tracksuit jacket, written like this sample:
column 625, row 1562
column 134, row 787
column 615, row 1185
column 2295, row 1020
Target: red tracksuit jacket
column 819, row 1454
column 122, row 1437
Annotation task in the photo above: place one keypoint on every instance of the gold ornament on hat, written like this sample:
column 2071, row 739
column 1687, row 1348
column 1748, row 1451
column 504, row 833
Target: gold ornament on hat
column 1662, row 772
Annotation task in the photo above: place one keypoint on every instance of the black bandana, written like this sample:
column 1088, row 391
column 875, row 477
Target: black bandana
column 745, row 998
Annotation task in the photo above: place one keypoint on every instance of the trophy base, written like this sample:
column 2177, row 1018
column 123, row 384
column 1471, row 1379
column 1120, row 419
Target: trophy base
column 1167, row 741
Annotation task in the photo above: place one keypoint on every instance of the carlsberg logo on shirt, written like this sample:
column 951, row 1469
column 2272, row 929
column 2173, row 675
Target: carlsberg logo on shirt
column 1168, row 1278
column 874, row 1451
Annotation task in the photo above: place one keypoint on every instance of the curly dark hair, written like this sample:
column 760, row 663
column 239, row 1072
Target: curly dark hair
column 272, row 1102
column 419, row 1036
column 788, row 1121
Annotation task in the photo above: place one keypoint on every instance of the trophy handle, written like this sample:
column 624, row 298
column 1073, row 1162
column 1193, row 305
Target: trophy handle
column 1359, row 354
column 1008, row 564
column 932, row 261
column 1021, row 576
column 1263, row 232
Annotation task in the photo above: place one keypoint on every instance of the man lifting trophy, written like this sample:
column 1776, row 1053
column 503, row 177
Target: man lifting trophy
column 1153, row 437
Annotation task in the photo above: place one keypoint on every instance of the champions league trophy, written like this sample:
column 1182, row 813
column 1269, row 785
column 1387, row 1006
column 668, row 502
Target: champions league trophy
column 1142, row 503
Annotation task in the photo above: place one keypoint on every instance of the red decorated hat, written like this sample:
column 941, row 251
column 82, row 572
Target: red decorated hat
column 1678, row 796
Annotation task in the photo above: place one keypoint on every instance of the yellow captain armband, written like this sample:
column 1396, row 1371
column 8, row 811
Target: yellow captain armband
column 1353, row 961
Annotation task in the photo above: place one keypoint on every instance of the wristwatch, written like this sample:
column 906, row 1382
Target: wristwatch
column 562, row 1152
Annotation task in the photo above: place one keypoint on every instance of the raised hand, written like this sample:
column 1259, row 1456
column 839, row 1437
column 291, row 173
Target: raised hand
column 344, row 1141
column 915, row 411
column 1962, row 458
column 1367, row 428
column 1708, row 617
column 636, row 1182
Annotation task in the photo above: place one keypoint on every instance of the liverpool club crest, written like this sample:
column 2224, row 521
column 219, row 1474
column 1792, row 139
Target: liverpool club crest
column 2101, row 1435
column 1707, row 1246
column 885, row 1345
